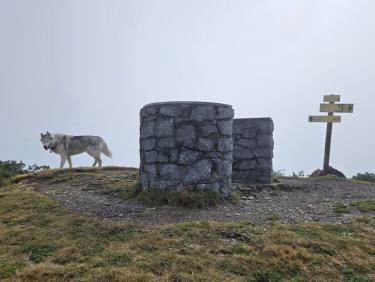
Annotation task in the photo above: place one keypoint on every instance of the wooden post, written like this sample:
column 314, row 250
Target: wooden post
column 327, row 150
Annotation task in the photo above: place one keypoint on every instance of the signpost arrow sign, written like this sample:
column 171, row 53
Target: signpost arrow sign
column 324, row 118
column 336, row 108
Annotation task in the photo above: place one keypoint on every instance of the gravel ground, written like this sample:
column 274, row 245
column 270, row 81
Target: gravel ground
column 290, row 201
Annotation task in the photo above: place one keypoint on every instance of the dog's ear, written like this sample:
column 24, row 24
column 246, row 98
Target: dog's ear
column 41, row 134
column 48, row 133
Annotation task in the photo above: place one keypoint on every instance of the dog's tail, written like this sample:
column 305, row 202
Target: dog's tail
column 106, row 150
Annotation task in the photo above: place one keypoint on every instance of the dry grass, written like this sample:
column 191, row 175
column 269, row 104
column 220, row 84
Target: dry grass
column 41, row 242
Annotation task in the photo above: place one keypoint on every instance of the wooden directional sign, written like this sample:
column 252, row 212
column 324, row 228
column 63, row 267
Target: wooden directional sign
column 330, row 107
column 331, row 98
column 336, row 108
column 324, row 118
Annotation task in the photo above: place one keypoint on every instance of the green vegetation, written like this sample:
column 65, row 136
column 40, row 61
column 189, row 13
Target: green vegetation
column 367, row 176
column 364, row 206
column 9, row 169
column 341, row 208
column 42, row 242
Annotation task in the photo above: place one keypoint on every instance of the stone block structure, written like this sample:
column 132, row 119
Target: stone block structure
column 186, row 146
column 253, row 150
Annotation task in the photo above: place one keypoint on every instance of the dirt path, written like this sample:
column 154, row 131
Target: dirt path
column 90, row 192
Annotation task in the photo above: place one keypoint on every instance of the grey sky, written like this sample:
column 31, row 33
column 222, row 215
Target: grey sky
column 87, row 67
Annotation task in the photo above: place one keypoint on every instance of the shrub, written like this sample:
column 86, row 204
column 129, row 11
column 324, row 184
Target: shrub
column 9, row 169
column 367, row 176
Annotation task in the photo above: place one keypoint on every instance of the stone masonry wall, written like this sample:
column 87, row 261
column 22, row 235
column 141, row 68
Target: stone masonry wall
column 186, row 146
column 253, row 150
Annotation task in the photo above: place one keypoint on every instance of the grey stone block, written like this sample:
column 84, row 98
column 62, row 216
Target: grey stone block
column 164, row 127
column 169, row 172
column 163, row 158
column 205, row 145
column 148, row 144
column 166, row 143
column 149, row 111
column 186, row 135
column 263, row 153
column 187, row 156
column 265, row 140
column 248, row 143
column 150, row 169
column 265, row 163
column 151, row 156
column 201, row 113
column 225, row 144
column 225, row 113
column 245, row 164
column 147, row 129
column 240, row 153
column 208, row 129
column 250, row 132
column 225, row 127
column 171, row 111
column 199, row 172
column 265, row 125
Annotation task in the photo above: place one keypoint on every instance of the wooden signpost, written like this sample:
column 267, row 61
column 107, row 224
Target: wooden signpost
column 330, row 108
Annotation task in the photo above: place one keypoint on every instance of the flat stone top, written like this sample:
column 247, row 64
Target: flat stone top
column 192, row 103
column 252, row 119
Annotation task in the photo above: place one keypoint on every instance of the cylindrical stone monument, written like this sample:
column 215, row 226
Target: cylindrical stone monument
column 253, row 150
column 186, row 146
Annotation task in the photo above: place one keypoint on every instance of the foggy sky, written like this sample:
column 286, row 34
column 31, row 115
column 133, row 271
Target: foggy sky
column 87, row 67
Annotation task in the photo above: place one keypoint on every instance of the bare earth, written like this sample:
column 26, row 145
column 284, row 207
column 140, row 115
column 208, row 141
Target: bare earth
column 91, row 192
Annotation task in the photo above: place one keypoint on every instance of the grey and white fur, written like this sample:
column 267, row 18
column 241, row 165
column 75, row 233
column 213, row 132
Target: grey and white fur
column 67, row 146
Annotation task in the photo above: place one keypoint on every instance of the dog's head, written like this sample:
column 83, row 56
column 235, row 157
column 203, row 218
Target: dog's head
column 47, row 140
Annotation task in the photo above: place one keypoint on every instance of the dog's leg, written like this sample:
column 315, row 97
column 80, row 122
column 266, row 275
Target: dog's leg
column 95, row 162
column 69, row 161
column 62, row 162
column 100, row 163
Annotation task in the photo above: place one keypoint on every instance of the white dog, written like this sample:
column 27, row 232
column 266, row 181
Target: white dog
column 67, row 146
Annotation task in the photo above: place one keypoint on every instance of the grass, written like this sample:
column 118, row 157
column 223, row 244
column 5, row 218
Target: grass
column 41, row 242
column 364, row 206
column 341, row 208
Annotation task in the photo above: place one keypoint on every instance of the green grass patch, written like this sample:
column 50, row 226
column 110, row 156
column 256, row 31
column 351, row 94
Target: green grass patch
column 341, row 208
column 364, row 206
column 185, row 199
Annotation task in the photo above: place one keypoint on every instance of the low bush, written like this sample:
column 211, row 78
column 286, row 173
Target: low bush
column 9, row 169
column 367, row 176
